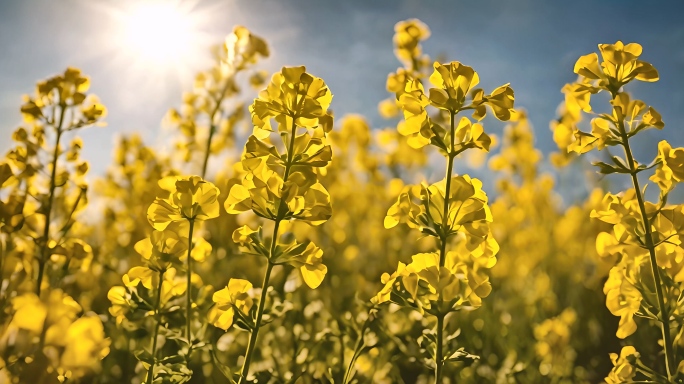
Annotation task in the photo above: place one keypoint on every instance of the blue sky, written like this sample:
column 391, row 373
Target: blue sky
column 531, row 44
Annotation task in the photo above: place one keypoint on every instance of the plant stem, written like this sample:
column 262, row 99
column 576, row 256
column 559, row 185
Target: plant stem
column 212, row 130
column 439, row 359
column 445, row 213
column 255, row 332
column 443, row 244
column 664, row 313
column 188, row 295
column 212, row 127
column 46, row 230
column 150, row 372
column 357, row 352
column 264, row 286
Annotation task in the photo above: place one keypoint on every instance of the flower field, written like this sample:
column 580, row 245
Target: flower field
column 278, row 242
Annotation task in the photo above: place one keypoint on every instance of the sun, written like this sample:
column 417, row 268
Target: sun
column 158, row 32
column 154, row 45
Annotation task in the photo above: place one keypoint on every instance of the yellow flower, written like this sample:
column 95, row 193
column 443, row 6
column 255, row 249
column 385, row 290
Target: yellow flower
column 388, row 108
column 396, row 82
column 671, row 166
column 61, row 306
column 141, row 275
column 310, row 264
column 470, row 135
column 29, row 312
column 242, row 47
column 311, row 150
column 453, row 81
column 173, row 286
column 405, row 210
column 236, row 296
column 407, row 37
column 263, row 192
column 292, row 94
column 201, row 249
column 553, row 344
column 441, row 280
column 118, row 296
column 623, row 298
column 65, row 90
column 389, row 282
column 245, row 235
column 426, row 283
column 467, row 208
column 600, row 130
column 501, row 100
column 162, row 248
column 416, row 125
column 620, row 65
column 84, row 346
column 623, row 369
column 191, row 199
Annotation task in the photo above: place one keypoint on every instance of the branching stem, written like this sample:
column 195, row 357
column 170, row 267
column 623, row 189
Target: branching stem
column 264, row 286
column 51, row 196
column 439, row 358
column 150, row 371
column 188, row 293
column 664, row 313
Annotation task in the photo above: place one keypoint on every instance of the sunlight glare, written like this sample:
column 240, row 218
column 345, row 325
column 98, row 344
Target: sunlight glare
column 158, row 32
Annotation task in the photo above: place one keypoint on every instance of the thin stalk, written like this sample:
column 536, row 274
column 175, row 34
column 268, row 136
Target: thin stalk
column 445, row 212
column 255, row 332
column 212, row 126
column 439, row 359
column 188, row 305
column 443, row 244
column 664, row 313
column 357, row 352
column 2, row 263
column 264, row 286
column 340, row 337
column 46, row 230
column 150, row 372
column 212, row 130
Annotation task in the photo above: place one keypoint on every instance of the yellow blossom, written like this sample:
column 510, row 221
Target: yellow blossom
column 236, row 296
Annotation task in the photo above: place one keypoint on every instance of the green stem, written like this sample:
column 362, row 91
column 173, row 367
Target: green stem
column 188, row 295
column 264, row 286
column 255, row 332
column 357, row 352
column 212, row 127
column 439, row 359
column 212, row 130
column 150, row 372
column 445, row 215
column 664, row 313
column 46, row 230
column 443, row 244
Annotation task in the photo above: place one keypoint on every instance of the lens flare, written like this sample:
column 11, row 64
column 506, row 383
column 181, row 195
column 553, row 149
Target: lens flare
column 159, row 32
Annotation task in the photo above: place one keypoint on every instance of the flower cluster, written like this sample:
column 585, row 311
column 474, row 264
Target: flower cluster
column 42, row 191
column 643, row 243
column 207, row 119
column 154, row 290
column 453, row 211
column 279, row 183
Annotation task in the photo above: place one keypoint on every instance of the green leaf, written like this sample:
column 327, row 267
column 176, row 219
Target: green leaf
column 144, row 356
column 461, row 355
column 428, row 343
column 608, row 169
column 225, row 370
